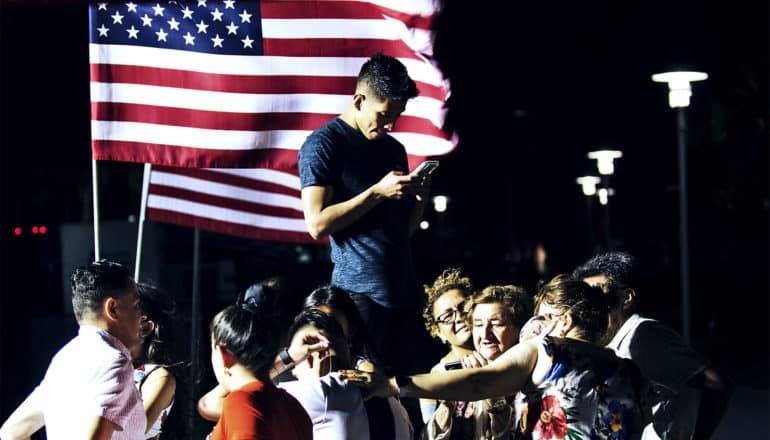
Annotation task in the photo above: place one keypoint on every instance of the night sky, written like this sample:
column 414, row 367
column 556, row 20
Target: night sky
column 535, row 86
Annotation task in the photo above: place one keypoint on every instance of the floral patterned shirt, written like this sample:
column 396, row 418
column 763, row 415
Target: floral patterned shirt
column 588, row 393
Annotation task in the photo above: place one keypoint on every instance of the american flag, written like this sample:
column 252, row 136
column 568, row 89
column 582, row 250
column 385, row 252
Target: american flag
column 258, row 203
column 240, row 84
column 234, row 84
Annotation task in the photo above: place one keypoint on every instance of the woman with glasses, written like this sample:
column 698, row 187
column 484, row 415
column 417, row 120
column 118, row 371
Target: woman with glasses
column 574, row 388
column 496, row 315
column 445, row 320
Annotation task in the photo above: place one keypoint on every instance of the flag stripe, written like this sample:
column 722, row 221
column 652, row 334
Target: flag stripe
column 224, row 202
column 237, row 121
column 210, row 139
column 215, row 82
column 229, row 228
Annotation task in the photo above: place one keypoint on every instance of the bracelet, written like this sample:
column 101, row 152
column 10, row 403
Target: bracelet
column 285, row 357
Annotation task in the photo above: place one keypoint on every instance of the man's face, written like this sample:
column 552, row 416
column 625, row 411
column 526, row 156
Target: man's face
column 615, row 317
column 376, row 118
column 128, row 325
column 493, row 331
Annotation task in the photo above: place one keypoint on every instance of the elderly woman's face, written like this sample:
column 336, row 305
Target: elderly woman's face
column 493, row 331
column 448, row 317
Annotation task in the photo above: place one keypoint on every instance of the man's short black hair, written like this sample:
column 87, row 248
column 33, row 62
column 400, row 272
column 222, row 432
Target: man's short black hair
column 387, row 78
column 95, row 282
column 616, row 266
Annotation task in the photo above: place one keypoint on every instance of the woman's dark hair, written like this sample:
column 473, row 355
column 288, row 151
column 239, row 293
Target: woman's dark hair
column 247, row 330
column 339, row 300
column 159, row 348
column 587, row 305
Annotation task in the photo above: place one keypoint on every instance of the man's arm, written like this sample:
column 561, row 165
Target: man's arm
column 24, row 421
column 323, row 219
column 716, row 390
column 99, row 429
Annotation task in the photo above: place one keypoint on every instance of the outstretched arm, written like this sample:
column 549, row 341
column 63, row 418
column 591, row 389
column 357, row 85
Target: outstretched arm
column 505, row 375
column 24, row 421
column 323, row 218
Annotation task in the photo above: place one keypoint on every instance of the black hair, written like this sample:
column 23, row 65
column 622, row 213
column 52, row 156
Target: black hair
column 160, row 309
column 339, row 300
column 387, row 78
column 247, row 330
column 95, row 282
column 616, row 266
column 159, row 348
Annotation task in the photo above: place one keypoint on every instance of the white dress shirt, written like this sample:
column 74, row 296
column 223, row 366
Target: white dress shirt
column 90, row 377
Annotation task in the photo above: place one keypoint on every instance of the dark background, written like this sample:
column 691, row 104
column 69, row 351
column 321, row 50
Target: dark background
column 534, row 88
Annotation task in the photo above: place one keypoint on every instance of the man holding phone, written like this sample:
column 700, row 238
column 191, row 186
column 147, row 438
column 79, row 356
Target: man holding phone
column 357, row 190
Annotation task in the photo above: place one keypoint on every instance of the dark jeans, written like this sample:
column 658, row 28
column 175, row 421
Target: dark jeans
column 398, row 338
column 400, row 345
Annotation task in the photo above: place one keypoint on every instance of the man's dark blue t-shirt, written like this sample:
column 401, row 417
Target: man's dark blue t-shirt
column 373, row 256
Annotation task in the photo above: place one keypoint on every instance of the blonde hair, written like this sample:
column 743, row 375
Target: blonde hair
column 515, row 299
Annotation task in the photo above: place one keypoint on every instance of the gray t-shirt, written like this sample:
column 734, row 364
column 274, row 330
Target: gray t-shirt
column 373, row 256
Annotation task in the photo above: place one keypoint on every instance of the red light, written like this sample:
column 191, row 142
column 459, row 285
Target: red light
column 17, row 231
column 43, row 229
column 35, row 230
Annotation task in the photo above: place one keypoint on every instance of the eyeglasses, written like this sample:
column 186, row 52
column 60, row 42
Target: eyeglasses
column 450, row 316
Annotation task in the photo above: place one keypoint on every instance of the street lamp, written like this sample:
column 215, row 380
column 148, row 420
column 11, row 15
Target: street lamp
column 604, row 160
column 605, row 164
column 679, row 98
column 588, row 184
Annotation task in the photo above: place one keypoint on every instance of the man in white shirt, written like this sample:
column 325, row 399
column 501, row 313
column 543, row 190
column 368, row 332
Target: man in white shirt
column 692, row 396
column 88, row 390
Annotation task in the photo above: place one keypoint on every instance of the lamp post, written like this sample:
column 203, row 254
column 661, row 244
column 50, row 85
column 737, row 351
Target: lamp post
column 679, row 98
column 605, row 164
column 588, row 185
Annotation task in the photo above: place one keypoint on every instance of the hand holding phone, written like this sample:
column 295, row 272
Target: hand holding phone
column 426, row 168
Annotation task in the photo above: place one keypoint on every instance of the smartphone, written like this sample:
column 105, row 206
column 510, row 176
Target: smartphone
column 456, row 365
column 426, row 168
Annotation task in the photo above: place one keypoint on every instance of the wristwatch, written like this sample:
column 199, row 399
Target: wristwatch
column 285, row 357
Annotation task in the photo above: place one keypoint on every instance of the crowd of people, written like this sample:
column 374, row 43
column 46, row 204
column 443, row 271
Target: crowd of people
column 372, row 354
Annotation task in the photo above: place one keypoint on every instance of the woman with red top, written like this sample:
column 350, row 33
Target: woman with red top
column 243, row 348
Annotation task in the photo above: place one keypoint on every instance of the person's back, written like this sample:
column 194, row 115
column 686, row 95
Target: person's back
column 588, row 392
column 278, row 415
column 692, row 396
column 83, row 377
column 244, row 345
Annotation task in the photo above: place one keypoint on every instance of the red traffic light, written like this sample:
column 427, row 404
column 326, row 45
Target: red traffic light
column 17, row 230
column 43, row 229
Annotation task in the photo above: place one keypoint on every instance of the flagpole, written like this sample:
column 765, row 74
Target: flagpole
column 195, row 322
column 142, row 216
column 95, row 190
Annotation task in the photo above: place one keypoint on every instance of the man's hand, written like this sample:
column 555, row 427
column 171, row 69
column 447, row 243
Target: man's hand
column 395, row 185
